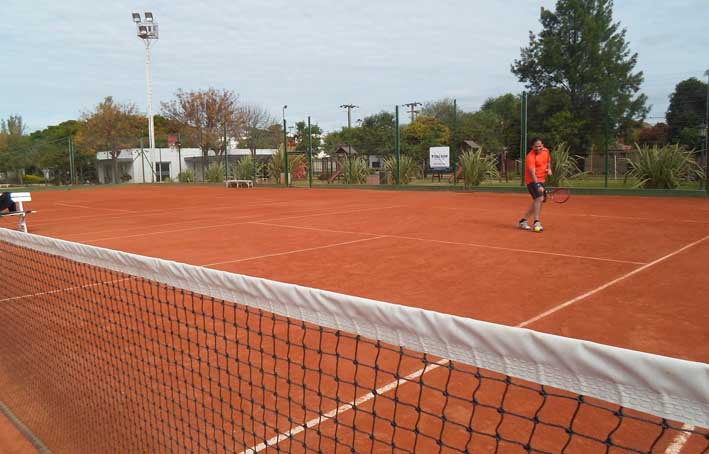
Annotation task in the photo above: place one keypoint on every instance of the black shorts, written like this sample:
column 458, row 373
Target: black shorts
column 532, row 188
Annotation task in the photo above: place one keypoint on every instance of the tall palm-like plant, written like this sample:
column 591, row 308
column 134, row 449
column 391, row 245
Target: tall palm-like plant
column 244, row 169
column 408, row 169
column 477, row 166
column 663, row 167
column 277, row 165
column 215, row 173
column 354, row 171
column 563, row 165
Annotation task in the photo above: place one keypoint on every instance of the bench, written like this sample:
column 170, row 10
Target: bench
column 438, row 172
column 19, row 198
column 239, row 183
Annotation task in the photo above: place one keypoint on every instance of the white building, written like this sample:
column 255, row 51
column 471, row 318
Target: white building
column 158, row 164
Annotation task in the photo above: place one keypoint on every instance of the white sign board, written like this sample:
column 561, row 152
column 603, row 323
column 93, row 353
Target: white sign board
column 440, row 157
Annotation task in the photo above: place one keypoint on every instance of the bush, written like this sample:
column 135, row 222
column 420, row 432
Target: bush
column 125, row 178
column 477, row 166
column 186, row 176
column 32, row 179
column 663, row 167
column 563, row 166
column 408, row 169
column 244, row 169
column 214, row 173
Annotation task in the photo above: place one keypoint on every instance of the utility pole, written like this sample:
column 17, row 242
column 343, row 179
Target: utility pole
column 349, row 108
column 412, row 109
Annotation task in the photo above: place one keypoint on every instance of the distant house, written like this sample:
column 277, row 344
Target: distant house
column 470, row 145
column 164, row 164
column 374, row 161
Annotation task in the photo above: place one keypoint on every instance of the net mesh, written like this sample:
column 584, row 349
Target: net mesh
column 96, row 360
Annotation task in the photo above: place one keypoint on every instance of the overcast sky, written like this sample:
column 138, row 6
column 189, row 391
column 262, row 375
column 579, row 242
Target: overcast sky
column 60, row 58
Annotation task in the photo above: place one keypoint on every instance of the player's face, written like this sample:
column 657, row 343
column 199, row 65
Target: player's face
column 538, row 146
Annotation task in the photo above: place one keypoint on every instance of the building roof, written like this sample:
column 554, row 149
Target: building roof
column 471, row 143
column 344, row 149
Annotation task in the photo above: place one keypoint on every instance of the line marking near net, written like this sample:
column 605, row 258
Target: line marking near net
column 276, row 254
column 610, row 283
column 453, row 243
column 674, row 448
column 209, row 226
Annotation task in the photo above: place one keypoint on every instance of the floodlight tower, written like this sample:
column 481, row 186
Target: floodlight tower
column 148, row 32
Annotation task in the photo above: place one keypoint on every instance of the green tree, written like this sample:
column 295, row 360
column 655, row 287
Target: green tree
column 419, row 136
column 52, row 145
column 686, row 113
column 16, row 153
column 507, row 108
column 110, row 126
column 376, row 134
column 582, row 55
column 301, row 137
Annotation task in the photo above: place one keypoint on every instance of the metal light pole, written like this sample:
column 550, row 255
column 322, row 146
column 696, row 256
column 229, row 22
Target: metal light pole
column 349, row 108
column 148, row 32
column 285, row 145
column 706, row 138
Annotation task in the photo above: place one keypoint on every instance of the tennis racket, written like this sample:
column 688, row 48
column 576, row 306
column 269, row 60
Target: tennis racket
column 558, row 195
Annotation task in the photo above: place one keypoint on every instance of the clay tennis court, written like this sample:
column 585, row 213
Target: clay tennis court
column 625, row 271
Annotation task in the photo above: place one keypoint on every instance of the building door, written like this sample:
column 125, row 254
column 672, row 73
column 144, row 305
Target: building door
column 162, row 170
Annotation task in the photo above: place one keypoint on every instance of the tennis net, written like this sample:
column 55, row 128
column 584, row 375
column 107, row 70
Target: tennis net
column 104, row 351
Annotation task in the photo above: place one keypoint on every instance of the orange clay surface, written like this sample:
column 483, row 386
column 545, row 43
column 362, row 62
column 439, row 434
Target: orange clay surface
column 629, row 271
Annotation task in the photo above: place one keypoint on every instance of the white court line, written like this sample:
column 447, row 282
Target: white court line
column 608, row 284
column 454, row 243
column 674, row 448
column 680, row 440
column 343, row 408
column 230, row 224
column 93, row 208
column 67, row 289
column 276, row 254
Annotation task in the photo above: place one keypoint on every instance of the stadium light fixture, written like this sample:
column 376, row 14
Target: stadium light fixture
column 147, row 31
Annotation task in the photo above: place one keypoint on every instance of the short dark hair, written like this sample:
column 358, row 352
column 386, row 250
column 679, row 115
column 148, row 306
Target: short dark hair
column 534, row 139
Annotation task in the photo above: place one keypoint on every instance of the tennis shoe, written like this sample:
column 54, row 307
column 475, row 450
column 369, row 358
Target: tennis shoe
column 524, row 225
column 538, row 227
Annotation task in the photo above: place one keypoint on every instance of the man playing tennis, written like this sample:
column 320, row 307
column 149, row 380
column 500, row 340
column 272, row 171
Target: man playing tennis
column 537, row 166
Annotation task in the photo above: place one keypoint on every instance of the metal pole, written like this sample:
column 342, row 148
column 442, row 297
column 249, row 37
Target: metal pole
column 226, row 154
column 706, row 139
column 151, row 127
column 454, row 143
column 605, row 142
column 142, row 158
column 397, row 147
column 71, row 161
column 179, row 155
column 285, row 151
column 310, row 155
column 523, row 138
